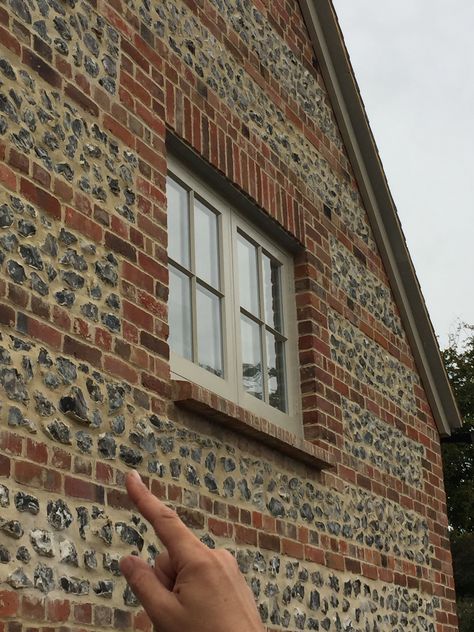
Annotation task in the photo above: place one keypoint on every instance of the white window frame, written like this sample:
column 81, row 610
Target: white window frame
column 230, row 386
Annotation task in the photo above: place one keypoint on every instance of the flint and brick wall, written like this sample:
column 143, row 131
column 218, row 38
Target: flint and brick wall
column 89, row 91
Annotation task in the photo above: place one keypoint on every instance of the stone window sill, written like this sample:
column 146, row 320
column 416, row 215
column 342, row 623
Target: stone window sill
column 199, row 400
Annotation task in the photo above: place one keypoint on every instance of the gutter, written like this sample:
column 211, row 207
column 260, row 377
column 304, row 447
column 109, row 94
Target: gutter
column 321, row 22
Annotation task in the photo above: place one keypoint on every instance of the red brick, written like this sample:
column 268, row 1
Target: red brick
column 33, row 608
column 61, row 459
column 82, row 99
column 41, row 198
column 104, row 473
column 137, row 277
column 58, row 610
column 334, row 560
column 39, row 330
column 154, row 344
column 82, row 613
column 7, row 176
column 353, row 566
column 121, row 369
column 4, row 465
column 37, row 452
column 42, row 68
column 78, row 488
column 82, row 351
column 7, row 315
column 292, row 548
column 119, row 499
column 314, row 554
column 36, row 476
column 220, row 528
column 269, row 541
column 245, row 535
column 137, row 316
column 11, row 443
column 122, row 247
column 9, row 602
column 119, row 131
column 77, row 221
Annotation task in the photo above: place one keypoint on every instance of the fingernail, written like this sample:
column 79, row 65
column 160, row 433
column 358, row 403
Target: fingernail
column 136, row 476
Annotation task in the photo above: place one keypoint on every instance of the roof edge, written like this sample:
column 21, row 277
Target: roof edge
column 326, row 36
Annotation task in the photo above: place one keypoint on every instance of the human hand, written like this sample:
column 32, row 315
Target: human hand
column 192, row 588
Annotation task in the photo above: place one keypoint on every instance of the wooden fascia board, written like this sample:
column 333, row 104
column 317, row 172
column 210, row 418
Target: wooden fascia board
column 322, row 25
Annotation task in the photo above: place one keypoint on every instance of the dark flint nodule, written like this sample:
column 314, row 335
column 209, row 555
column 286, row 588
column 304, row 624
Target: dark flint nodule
column 75, row 406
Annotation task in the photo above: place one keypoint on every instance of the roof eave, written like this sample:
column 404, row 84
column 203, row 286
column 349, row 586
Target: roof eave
column 352, row 119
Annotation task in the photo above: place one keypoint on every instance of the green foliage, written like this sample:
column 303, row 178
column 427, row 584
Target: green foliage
column 458, row 458
column 458, row 461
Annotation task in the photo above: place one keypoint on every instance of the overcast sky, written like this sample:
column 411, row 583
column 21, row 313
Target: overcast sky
column 414, row 62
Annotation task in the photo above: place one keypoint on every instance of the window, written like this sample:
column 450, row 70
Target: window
column 232, row 326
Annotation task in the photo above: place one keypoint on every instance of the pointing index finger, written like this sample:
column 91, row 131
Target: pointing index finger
column 173, row 533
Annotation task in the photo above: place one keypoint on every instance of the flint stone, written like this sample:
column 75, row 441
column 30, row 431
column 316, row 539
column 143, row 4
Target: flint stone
column 26, row 503
column 84, row 442
column 106, row 446
column 90, row 559
column 9, row 243
column 74, row 585
column 14, row 385
column 18, row 579
column 106, row 273
column 118, row 425
column 59, row 431
column 16, row 271
column 67, row 370
column 38, row 285
column 32, row 257
column 144, row 438
column 130, row 457
column 73, row 280
column 42, row 542
column 74, row 405
column 129, row 598
column 104, row 588
column 129, row 535
column 105, row 533
column 59, row 515
column 23, row 555
column 210, row 483
column 67, row 238
column 68, row 553
column 111, row 564
column 6, row 216
column 43, row 578
column 116, row 395
column 113, row 301
column 5, row 555
column 4, row 496
column 65, row 298
column 43, row 406
column 11, row 528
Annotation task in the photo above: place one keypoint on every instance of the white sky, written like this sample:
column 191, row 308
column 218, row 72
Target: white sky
column 414, row 62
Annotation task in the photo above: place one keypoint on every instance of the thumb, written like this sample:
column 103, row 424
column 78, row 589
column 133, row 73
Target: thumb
column 156, row 599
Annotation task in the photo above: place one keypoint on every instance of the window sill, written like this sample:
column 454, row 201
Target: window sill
column 199, row 400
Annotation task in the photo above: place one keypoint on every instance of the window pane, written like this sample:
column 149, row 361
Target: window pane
column 276, row 372
column 206, row 244
column 178, row 222
column 252, row 374
column 180, row 314
column 209, row 331
column 272, row 293
column 248, row 276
